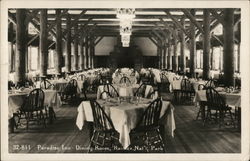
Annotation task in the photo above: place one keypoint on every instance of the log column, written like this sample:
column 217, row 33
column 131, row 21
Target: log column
column 175, row 62
column 228, row 52
column 81, row 65
column 58, row 57
column 76, row 47
column 21, row 44
column 87, row 50
column 159, row 55
column 169, row 54
column 43, row 43
column 91, row 51
column 192, row 47
column 68, row 45
column 183, row 58
column 164, row 55
column 12, row 52
column 206, row 44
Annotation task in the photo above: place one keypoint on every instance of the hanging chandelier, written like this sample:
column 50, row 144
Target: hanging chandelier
column 125, row 13
column 126, row 16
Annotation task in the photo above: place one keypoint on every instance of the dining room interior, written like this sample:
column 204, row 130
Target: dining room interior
column 124, row 80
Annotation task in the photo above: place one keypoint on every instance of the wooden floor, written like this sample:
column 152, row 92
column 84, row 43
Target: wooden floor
column 63, row 135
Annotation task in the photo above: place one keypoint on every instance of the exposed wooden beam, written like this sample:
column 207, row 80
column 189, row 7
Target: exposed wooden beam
column 153, row 41
column 217, row 16
column 31, row 15
column 158, row 35
column 97, row 41
column 193, row 19
column 49, row 28
column 113, row 16
column 12, row 17
column 176, row 22
column 75, row 21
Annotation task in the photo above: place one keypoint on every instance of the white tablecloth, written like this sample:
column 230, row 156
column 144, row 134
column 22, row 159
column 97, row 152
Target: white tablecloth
column 126, row 115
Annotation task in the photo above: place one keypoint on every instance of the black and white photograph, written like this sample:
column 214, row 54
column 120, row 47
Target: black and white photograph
column 147, row 80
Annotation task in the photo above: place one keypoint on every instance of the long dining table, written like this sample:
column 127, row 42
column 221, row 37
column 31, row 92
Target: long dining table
column 126, row 114
column 16, row 98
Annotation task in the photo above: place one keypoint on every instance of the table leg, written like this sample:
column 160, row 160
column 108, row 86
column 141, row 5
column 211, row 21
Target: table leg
column 52, row 115
column 203, row 111
column 239, row 118
column 11, row 125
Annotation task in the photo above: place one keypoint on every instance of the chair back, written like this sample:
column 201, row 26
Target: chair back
column 81, row 77
column 110, row 89
column 152, row 114
column 125, row 79
column 186, row 85
column 71, row 87
column 210, row 83
column 141, row 90
column 34, row 101
column 164, row 78
column 101, row 120
column 214, row 99
column 45, row 84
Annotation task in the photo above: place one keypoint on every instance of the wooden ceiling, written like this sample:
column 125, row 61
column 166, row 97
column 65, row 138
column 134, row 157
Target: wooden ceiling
column 156, row 23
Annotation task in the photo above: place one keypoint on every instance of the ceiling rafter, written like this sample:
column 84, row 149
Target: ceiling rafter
column 193, row 20
column 176, row 22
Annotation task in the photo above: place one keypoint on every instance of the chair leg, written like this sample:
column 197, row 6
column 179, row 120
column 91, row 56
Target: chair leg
column 199, row 112
column 232, row 118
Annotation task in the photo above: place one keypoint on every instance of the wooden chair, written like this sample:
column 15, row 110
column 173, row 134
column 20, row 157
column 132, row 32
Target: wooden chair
column 81, row 77
column 45, row 84
column 70, row 91
column 186, row 91
column 163, row 87
column 141, row 90
column 216, row 103
column 125, row 79
column 33, row 107
column 147, row 134
column 105, row 138
column 202, row 104
column 211, row 83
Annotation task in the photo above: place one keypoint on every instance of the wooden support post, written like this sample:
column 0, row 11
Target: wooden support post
column 81, row 65
column 192, row 47
column 76, row 48
column 206, row 44
column 43, row 43
column 92, row 49
column 212, row 59
column 166, row 59
column 68, row 45
column 169, row 54
column 183, row 55
column 21, row 45
column 91, row 54
column 164, row 55
column 58, row 57
column 238, row 57
column 175, row 61
column 159, row 56
column 87, row 50
column 228, row 52
column 12, row 52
